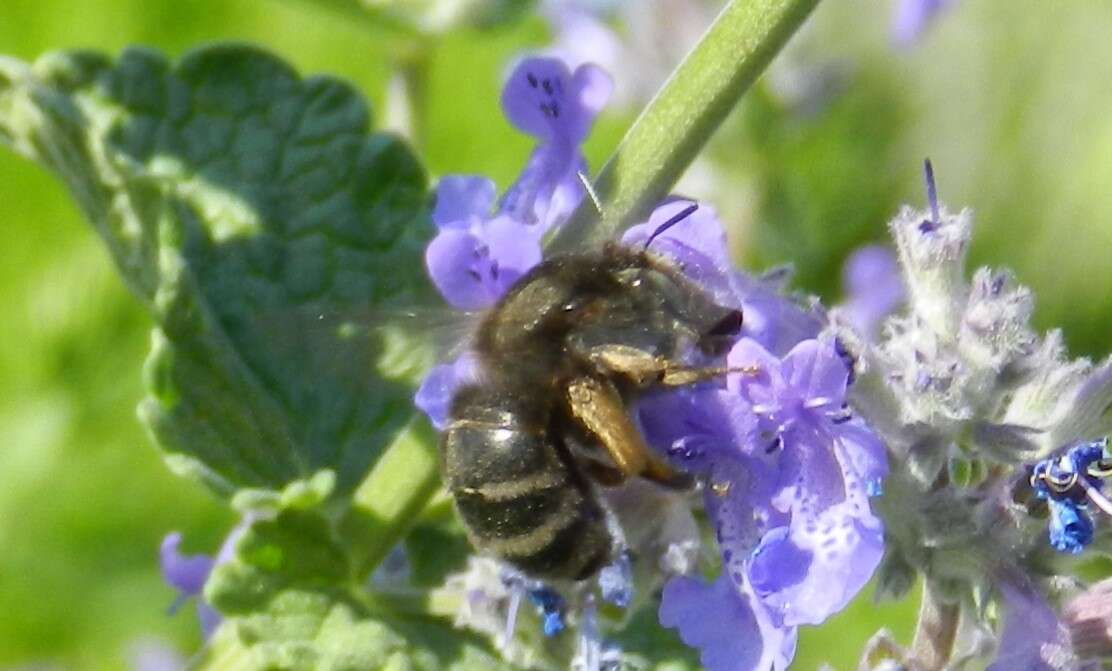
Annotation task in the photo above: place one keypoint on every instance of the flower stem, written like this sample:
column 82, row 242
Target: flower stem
column 935, row 632
column 387, row 502
column 406, row 95
column 684, row 114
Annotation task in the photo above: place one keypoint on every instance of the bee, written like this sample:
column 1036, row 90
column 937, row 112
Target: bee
column 563, row 354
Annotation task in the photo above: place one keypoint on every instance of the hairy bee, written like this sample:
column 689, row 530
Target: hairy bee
column 562, row 354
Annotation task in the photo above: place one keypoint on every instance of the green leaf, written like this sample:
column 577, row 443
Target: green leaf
column 248, row 207
column 291, row 603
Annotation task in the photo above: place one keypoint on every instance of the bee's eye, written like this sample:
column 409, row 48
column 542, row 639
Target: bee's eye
column 727, row 326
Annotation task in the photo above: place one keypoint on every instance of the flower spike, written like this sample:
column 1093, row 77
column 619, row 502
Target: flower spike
column 932, row 191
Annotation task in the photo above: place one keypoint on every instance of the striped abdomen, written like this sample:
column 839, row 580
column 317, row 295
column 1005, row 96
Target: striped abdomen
column 519, row 494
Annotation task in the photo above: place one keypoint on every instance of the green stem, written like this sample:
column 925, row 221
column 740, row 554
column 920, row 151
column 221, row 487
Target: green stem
column 407, row 94
column 683, row 115
column 935, row 632
column 387, row 502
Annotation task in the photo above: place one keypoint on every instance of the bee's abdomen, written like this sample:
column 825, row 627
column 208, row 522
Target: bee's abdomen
column 517, row 497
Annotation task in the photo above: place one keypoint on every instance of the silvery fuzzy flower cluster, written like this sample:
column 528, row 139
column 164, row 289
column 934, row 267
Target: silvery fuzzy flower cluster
column 968, row 397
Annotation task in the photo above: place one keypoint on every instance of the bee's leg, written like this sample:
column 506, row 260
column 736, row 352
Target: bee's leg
column 604, row 474
column 597, row 407
column 646, row 369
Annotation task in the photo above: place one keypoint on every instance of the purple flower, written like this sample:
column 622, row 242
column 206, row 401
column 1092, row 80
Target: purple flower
column 188, row 573
column 476, row 257
column 434, row 396
column 546, row 100
column 731, row 628
column 912, row 17
column 1070, row 482
column 1033, row 639
column 873, row 288
column 788, row 474
column 480, row 251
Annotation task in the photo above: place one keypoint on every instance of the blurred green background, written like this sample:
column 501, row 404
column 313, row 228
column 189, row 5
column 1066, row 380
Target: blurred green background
column 1010, row 98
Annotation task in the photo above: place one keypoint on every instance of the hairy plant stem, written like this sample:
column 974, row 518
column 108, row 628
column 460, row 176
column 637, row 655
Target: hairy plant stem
column 935, row 631
column 653, row 154
column 683, row 115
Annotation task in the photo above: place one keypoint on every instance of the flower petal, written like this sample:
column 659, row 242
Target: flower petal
column 462, row 198
column 814, row 569
column 535, row 98
column 474, row 269
column 185, row 573
column 762, row 386
column 591, row 88
column 438, row 388
column 862, row 453
column 814, row 369
column 721, row 622
column 873, row 288
column 1033, row 638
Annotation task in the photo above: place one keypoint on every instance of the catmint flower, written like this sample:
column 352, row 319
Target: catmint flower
column 482, row 248
column 912, row 17
column 873, row 289
column 477, row 256
column 546, row 100
column 788, row 469
column 966, row 395
column 189, row 573
column 434, row 395
column 1033, row 638
column 1070, row 483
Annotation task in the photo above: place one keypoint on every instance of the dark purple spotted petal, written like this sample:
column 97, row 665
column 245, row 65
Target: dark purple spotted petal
column 544, row 99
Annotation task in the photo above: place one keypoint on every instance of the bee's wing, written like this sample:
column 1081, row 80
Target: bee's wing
column 353, row 343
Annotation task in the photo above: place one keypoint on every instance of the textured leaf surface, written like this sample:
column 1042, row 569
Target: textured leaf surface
column 291, row 604
column 242, row 203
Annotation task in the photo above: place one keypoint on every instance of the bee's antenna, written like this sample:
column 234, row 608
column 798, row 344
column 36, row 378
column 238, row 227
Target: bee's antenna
column 683, row 214
column 590, row 191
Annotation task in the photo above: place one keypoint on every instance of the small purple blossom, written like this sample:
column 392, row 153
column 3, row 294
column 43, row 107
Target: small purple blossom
column 189, row 573
column 873, row 288
column 434, row 396
column 1070, row 483
column 476, row 256
column 546, row 100
column 481, row 250
column 1033, row 638
column 912, row 17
